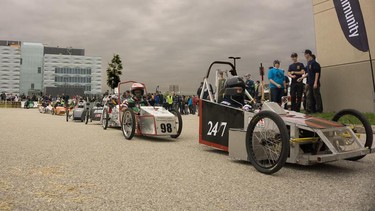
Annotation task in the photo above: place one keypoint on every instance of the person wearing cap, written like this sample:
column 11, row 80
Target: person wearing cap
column 295, row 71
column 277, row 82
column 313, row 72
column 250, row 85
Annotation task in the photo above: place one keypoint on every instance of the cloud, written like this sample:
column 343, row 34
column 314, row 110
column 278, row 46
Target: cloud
column 165, row 42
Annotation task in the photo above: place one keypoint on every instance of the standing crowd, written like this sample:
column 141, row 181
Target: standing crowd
column 308, row 93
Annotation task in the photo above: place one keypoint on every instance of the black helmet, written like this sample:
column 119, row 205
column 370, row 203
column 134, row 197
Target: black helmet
column 235, row 82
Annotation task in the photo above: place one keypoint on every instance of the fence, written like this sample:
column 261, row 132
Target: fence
column 9, row 104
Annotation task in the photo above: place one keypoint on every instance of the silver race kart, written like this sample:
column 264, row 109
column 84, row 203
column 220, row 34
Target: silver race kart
column 269, row 136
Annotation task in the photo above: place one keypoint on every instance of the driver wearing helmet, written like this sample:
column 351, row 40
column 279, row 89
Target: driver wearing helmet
column 138, row 99
column 236, row 98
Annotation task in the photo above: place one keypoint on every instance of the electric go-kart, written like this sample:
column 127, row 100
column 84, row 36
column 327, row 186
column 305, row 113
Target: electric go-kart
column 28, row 104
column 111, row 112
column 136, row 119
column 269, row 136
column 45, row 108
column 58, row 108
column 94, row 111
column 78, row 112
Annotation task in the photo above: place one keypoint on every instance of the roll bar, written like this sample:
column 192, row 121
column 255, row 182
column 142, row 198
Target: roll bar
column 206, row 85
column 233, row 71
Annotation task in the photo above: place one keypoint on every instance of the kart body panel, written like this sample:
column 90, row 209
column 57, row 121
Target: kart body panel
column 156, row 121
column 224, row 128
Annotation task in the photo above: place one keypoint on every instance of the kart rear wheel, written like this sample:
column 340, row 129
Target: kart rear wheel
column 87, row 116
column 105, row 119
column 355, row 120
column 128, row 124
column 267, row 142
column 178, row 123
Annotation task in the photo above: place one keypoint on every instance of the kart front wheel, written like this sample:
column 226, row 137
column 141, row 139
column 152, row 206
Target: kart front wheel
column 128, row 124
column 267, row 142
column 178, row 123
column 105, row 119
column 356, row 121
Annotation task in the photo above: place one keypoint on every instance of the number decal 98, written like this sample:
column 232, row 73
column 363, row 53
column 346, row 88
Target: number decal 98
column 166, row 128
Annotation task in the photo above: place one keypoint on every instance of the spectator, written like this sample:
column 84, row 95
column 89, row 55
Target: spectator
column 186, row 105
column 250, row 85
column 169, row 101
column 190, row 105
column 161, row 99
column 220, row 87
column 276, row 78
column 195, row 103
column 182, row 105
column 175, row 101
column 295, row 71
column 313, row 96
column 258, row 92
column 157, row 102
column 205, row 93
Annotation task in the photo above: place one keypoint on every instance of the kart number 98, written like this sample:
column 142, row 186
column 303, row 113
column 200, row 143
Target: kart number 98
column 166, row 128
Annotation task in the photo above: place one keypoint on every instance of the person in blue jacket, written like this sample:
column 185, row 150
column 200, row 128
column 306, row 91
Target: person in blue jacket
column 277, row 82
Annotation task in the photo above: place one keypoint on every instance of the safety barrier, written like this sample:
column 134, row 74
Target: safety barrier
column 10, row 104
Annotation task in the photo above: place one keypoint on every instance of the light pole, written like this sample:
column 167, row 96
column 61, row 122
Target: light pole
column 234, row 61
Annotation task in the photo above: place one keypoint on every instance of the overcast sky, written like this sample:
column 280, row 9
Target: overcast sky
column 163, row 42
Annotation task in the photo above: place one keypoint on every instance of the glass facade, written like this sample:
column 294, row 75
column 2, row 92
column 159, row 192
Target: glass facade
column 32, row 60
column 73, row 71
column 76, row 70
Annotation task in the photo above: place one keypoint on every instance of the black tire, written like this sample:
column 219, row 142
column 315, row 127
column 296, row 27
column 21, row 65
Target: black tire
column 67, row 115
column 87, row 116
column 105, row 119
column 280, row 139
column 128, row 119
column 179, row 123
column 366, row 124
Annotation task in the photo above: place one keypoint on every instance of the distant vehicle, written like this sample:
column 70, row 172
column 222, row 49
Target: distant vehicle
column 94, row 112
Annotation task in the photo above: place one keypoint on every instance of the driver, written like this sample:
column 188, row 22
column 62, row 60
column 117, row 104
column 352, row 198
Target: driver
column 138, row 91
column 236, row 100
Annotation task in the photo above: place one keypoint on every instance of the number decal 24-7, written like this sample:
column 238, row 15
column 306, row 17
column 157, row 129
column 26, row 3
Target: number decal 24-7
column 215, row 128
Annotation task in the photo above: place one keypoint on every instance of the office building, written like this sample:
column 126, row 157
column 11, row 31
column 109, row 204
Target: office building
column 10, row 67
column 31, row 68
column 346, row 76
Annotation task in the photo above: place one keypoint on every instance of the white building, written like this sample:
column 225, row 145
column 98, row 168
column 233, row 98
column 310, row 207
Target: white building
column 27, row 68
column 73, row 71
column 10, row 67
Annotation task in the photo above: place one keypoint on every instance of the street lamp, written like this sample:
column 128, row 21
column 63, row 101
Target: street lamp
column 234, row 60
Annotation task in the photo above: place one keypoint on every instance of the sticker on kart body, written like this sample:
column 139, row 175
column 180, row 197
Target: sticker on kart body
column 216, row 120
column 216, row 128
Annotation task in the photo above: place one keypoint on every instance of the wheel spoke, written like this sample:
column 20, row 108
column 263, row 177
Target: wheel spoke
column 266, row 143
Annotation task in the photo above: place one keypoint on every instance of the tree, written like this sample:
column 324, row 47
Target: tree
column 114, row 71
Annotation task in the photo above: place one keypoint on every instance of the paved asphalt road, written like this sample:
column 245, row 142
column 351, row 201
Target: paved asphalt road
column 49, row 164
